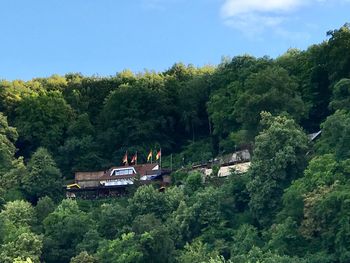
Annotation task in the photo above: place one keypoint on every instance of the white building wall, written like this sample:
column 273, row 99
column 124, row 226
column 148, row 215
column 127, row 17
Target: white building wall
column 226, row 170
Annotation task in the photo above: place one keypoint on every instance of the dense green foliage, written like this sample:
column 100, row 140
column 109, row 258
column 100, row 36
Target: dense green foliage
column 291, row 206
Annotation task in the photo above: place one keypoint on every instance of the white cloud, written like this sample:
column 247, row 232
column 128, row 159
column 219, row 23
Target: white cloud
column 253, row 17
column 241, row 7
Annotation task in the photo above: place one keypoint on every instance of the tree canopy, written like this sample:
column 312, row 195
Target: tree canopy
column 292, row 205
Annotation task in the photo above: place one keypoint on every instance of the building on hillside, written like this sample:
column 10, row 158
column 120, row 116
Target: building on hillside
column 116, row 180
column 226, row 160
column 236, row 157
column 88, row 179
column 313, row 136
column 238, row 162
column 224, row 171
column 126, row 175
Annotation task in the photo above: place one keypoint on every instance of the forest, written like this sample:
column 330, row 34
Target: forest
column 293, row 204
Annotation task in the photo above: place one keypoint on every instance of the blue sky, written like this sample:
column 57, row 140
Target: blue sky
column 102, row 37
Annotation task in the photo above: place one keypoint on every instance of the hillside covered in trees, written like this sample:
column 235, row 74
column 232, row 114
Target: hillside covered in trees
column 291, row 206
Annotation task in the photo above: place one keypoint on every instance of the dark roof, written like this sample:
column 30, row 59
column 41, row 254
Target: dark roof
column 88, row 176
column 141, row 169
column 145, row 169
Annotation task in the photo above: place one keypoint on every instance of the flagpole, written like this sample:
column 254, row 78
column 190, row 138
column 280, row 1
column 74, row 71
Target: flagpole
column 136, row 158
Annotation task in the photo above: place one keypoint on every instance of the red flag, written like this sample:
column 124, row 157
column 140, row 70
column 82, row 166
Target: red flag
column 159, row 154
column 125, row 159
column 134, row 159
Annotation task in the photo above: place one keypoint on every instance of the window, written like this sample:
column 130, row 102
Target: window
column 123, row 172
